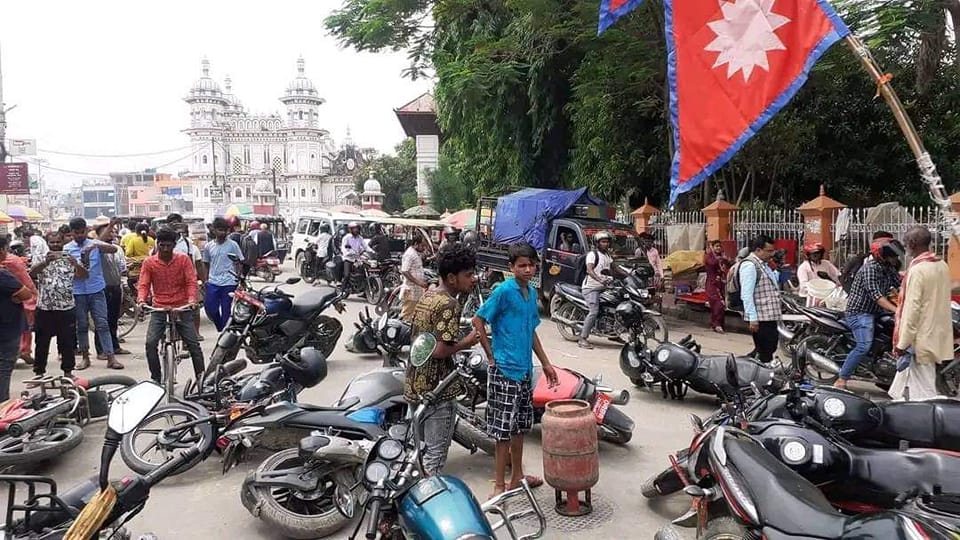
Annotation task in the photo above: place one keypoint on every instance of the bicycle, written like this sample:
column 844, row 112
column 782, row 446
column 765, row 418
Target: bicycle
column 170, row 345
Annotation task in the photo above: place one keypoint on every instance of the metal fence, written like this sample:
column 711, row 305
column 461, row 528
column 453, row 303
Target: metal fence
column 659, row 224
column 776, row 223
column 853, row 228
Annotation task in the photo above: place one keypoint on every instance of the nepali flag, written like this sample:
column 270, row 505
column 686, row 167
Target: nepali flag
column 731, row 66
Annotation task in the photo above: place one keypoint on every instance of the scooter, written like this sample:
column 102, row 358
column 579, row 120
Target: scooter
column 612, row 424
column 748, row 493
column 679, row 366
column 97, row 506
column 267, row 267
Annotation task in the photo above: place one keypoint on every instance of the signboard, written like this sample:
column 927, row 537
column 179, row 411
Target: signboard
column 21, row 147
column 14, row 179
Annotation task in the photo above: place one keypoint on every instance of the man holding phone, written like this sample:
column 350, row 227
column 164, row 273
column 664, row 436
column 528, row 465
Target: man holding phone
column 56, row 307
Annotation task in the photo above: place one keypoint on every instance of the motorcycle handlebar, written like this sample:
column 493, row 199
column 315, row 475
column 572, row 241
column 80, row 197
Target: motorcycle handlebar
column 163, row 471
column 30, row 423
column 151, row 309
column 373, row 524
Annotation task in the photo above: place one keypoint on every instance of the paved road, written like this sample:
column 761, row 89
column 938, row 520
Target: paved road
column 204, row 504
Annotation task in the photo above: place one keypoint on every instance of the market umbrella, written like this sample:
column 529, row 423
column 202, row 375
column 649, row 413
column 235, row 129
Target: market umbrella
column 462, row 219
column 236, row 210
column 423, row 211
column 5, row 218
column 23, row 213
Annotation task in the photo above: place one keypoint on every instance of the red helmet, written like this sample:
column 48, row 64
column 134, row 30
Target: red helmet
column 886, row 247
column 813, row 247
column 254, row 225
column 232, row 221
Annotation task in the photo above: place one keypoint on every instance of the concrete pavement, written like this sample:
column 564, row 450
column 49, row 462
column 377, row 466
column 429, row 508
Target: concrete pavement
column 202, row 503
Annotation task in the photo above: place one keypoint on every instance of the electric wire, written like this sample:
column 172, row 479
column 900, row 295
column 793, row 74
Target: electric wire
column 77, row 154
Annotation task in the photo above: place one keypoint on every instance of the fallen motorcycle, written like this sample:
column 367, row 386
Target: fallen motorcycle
column 387, row 336
column 747, row 492
column 679, row 366
column 612, row 424
column 45, row 423
column 94, row 507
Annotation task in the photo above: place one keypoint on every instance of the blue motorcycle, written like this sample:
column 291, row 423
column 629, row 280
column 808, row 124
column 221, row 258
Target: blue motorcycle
column 402, row 502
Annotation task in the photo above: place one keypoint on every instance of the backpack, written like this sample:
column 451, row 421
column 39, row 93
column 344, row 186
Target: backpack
column 853, row 266
column 734, row 302
column 580, row 271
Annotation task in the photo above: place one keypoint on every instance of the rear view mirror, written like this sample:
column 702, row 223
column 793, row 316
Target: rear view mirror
column 133, row 406
column 233, row 257
column 733, row 377
column 292, row 281
column 422, row 349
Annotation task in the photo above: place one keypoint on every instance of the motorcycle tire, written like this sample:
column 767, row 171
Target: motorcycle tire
column 474, row 435
column 374, row 290
column 307, row 273
column 284, row 515
column 219, row 357
column 57, row 439
column 724, row 528
column 325, row 336
column 174, row 413
column 612, row 434
column 668, row 532
column 662, row 484
column 570, row 312
column 654, row 327
column 815, row 343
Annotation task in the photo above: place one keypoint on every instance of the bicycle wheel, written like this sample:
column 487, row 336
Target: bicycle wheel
column 170, row 369
column 129, row 315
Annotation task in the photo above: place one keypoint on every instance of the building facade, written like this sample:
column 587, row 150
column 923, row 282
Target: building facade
column 263, row 160
column 98, row 197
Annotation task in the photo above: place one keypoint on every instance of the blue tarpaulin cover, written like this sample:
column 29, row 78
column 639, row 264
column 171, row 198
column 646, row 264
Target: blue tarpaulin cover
column 524, row 216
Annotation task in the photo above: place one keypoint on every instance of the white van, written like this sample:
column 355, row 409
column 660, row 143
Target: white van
column 308, row 228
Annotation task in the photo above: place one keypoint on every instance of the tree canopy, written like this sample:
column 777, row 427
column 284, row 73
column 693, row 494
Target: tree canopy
column 528, row 94
column 397, row 174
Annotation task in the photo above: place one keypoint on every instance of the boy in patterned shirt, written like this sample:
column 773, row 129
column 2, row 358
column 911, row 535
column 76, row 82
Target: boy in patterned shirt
column 438, row 313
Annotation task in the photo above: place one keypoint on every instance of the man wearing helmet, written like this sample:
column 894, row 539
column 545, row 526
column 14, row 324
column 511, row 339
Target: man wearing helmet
column 451, row 235
column 868, row 298
column 352, row 246
column 813, row 267
column 598, row 261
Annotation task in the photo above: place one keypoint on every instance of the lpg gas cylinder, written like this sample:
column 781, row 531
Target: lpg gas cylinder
column 571, row 461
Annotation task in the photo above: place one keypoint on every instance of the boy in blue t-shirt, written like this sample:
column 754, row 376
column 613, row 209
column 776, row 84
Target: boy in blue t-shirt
column 512, row 313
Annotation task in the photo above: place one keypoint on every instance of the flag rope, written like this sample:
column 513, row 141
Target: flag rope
column 928, row 170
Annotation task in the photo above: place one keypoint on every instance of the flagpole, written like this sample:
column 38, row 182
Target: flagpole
column 928, row 170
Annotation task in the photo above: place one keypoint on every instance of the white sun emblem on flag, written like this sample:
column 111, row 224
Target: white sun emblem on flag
column 745, row 34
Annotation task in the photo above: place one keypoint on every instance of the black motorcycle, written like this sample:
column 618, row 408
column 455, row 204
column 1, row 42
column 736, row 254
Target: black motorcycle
column 386, row 335
column 211, row 415
column 365, row 279
column 94, row 508
column 568, row 308
column 677, row 367
column 271, row 322
column 746, row 492
column 313, row 268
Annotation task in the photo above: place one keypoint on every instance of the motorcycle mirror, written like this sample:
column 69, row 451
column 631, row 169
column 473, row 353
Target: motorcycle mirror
column 292, row 280
column 233, row 257
column 422, row 349
column 344, row 501
column 733, row 377
column 133, row 405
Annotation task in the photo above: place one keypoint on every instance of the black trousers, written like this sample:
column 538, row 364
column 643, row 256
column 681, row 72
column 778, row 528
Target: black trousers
column 114, row 300
column 61, row 325
column 765, row 341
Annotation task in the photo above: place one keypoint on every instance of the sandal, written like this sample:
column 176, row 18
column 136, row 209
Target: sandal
column 532, row 481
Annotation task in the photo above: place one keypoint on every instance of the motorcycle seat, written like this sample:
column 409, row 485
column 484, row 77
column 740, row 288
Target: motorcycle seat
column 570, row 290
column 338, row 421
column 312, row 301
column 932, row 423
column 784, row 500
column 825, row 312
column 892, row 472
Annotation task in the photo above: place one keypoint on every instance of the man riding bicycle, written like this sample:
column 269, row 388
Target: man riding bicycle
column 173, row 281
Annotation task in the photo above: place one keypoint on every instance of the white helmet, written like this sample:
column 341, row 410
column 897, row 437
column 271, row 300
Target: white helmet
column 602, row 235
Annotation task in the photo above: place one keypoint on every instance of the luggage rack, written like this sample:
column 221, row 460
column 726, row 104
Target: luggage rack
column 38, row 501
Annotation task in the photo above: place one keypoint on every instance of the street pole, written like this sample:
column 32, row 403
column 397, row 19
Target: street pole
column 276, row 198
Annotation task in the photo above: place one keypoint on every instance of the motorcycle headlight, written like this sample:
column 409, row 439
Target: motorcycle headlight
column 372, row 264
column 475, row 360
column 241, row 312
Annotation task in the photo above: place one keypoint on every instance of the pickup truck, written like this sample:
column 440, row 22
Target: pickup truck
column 564, row 225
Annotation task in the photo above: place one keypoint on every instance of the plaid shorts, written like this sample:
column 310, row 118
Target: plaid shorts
column 509, row 405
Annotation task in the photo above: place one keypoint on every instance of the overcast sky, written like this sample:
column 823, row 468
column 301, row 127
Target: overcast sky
column 109, row 76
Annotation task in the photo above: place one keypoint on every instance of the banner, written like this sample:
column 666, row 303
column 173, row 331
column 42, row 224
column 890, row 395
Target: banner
column 14, row 179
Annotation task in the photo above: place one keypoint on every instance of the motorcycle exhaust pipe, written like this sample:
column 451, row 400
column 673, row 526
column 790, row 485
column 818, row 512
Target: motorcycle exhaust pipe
column 621, row 399
column 785, row 334
column 565, row 321
column 822, row 362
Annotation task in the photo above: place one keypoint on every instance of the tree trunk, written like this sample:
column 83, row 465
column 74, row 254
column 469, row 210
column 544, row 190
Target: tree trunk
column 953, row 6
column 932, row 40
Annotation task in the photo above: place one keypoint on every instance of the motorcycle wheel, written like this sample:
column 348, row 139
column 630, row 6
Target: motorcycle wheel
column 724, row 528
column 467, row 430
column 948, row 385
column 143, row 458
column 298, row 261
column 307, row 273
column 655, row 328
column 374, row 292
column 40, row 444
column 325, row 336
column 608, row 432
column 296, row 514
column 569, row 312
column 819, row 344
column 219, row 357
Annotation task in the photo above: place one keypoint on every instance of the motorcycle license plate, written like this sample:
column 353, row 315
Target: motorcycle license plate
column 600, row 406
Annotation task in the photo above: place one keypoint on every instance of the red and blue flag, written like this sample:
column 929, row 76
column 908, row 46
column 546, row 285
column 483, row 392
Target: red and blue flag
column 731, row 66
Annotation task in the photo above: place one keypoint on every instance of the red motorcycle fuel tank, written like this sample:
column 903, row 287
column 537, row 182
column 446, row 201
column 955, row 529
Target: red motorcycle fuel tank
column 542, row 393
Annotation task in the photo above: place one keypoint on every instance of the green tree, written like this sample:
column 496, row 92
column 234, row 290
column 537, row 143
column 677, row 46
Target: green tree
column 397, row 174
column 448, row 190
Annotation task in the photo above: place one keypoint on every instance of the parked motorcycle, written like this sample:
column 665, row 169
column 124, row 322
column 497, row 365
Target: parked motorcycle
column 612, row 424
column 676, row 367
column 48, row 422
column 395, row 485
column 175, row 426
column 365, row 279
column 271, row 322
column 267, row 267
column 568, row 308
column 95, row 508
column 387, row 336
column 748, row 493
column 312, row 268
